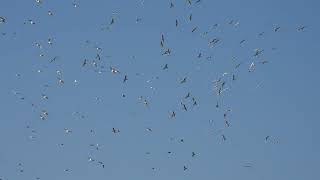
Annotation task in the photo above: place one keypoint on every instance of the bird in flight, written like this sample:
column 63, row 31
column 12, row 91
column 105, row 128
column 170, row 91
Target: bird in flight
column 114, row 130
column 184, row 80
column 2, row 19
column 165, row 67
column 125, row 78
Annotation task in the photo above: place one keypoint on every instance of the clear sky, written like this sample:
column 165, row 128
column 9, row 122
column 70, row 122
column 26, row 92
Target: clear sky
column 274, row 125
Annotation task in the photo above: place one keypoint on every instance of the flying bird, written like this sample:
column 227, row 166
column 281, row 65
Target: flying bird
column 2, row 19
column 184, row 80
column 125, row 78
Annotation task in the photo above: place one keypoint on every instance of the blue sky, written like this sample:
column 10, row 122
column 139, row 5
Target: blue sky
column 277, row 100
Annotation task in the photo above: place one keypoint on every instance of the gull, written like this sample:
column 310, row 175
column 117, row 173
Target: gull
column 167, row 52
column 145, row 102
column 214, row 41
column 184, row 80
column 138, row 19
column 115, row 130
column 267, row 137
column 224, row 137
column 187, row 96
column 84, row 62
column 112, row 21
column 162, row 37
column 165, row 67
column 31, row 21
column 194, row 29
column 2, row 19
column 194, row 101
column 227, row 123
column 257, row 52
column 50, row 13
column 184, row 107
column 53, row 59
column 98, row 57
column 114, row 70
column 173, row 114
column 252, row 67
column 302, row 28
column 44, row 96
column 149, row 129
column 185, row 168
column 242, row 41
column 171, row 5
column 60, row 80
column 238, row 65
column 125, row 78
column 50, row 41
column 233, row 77
column 67, row 131
column 102, row 164
column 193, row 154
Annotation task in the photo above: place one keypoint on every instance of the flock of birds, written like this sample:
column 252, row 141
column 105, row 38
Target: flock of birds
column 220, row 86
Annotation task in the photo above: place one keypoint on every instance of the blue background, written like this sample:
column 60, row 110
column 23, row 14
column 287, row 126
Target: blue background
column 279, row 99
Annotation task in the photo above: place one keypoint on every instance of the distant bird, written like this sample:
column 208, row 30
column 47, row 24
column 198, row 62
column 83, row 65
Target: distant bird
column 125, row 78
column 189, row 2
column 177, row 23
column 193, row 154
column 242, row 41
column 161, row 44
column 184, row 106
column 173, row 114
column 190, row 17
column 187, row 96
column 252, row 67
column 167, row 52
column 224, row 137
column 184, row 80
column 114, row 70
column 165, row 67
column 267, row 137
column 112, row 21
column 50, row 41
column 50, row 13
column 115, row 130
column 277, row 29
column 233, row 77
column 39, row 1
column 194, row 29
column 185, row 168
column 54, row 59
column 302, row 28
column 84, row 62
column 194, row 101
column 2, row 19
column 171, row 5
